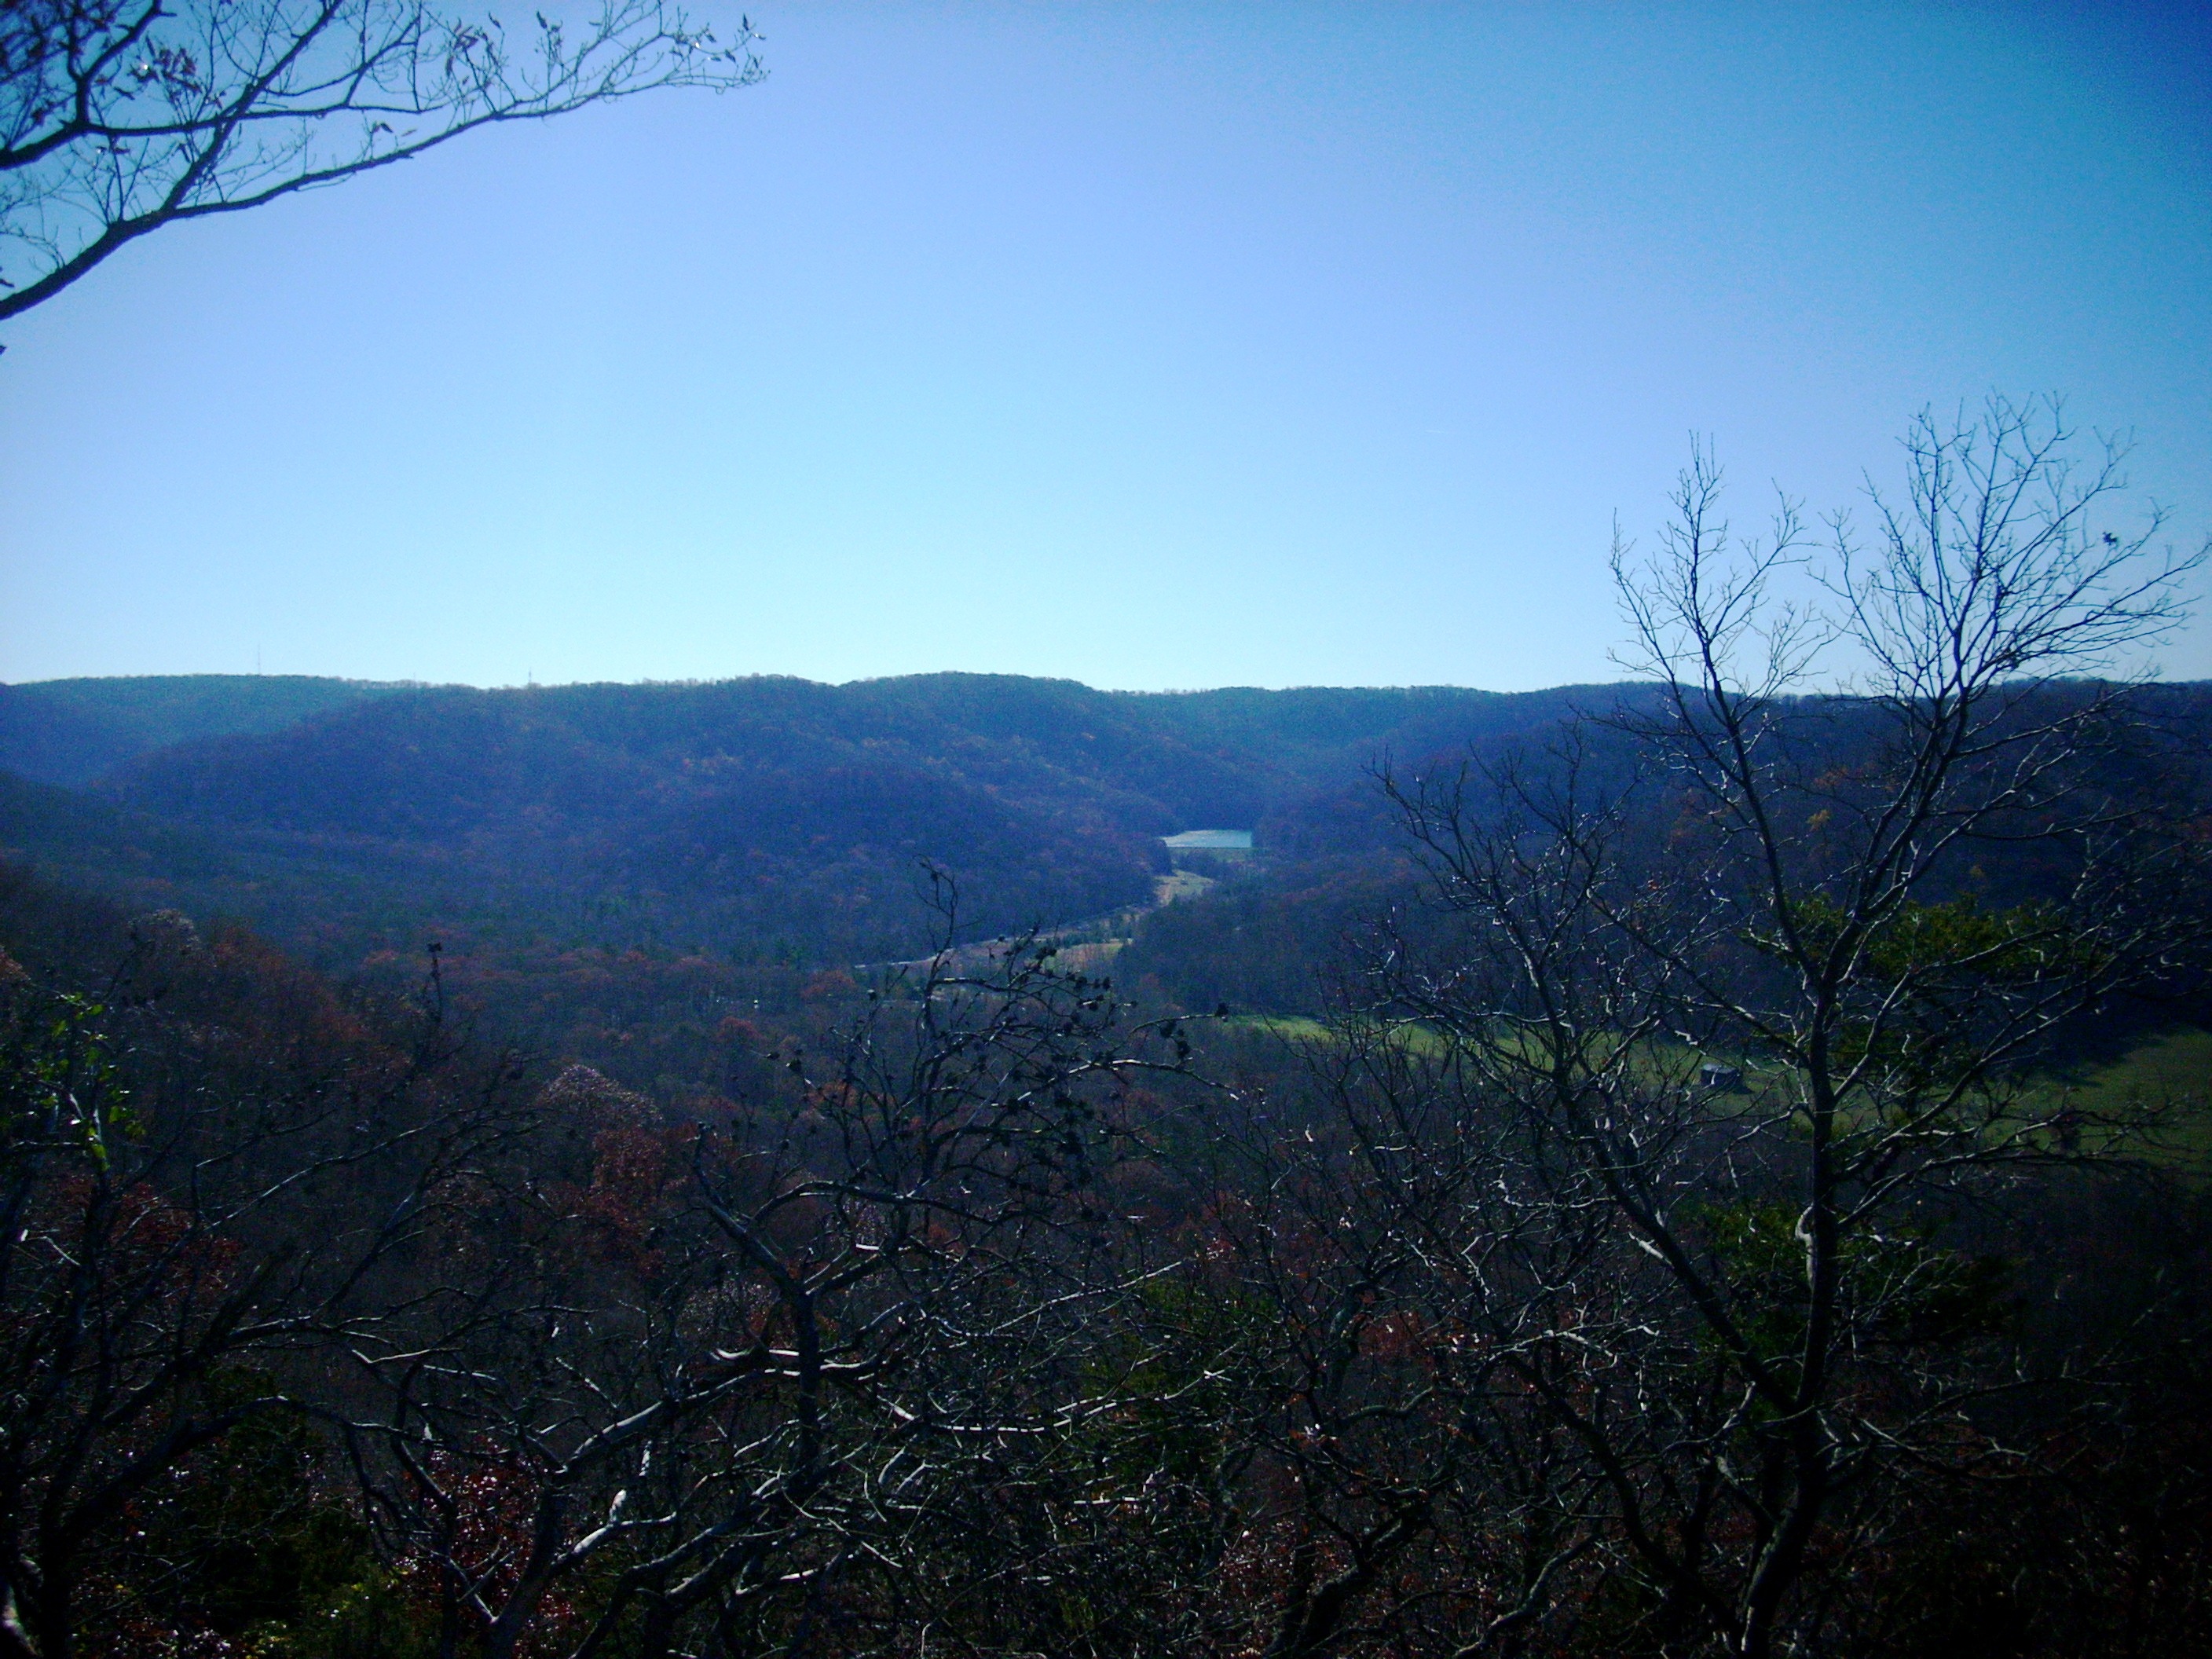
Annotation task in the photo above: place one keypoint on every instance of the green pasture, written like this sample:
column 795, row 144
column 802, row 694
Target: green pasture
column 2165, row 1083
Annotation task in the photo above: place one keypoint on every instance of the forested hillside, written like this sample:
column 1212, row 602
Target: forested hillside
column 1341, row 857
column 768, row 819
column 72, row 731
column 778, row 822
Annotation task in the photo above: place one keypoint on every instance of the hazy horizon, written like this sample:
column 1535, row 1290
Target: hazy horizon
column 725, row 679
column 919, row 673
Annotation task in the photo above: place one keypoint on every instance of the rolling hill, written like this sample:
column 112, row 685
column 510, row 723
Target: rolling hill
column 767, row 818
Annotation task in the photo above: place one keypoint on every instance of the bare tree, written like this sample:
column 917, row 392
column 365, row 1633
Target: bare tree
column 1392, row 1489
column 203, row 1195
column 1764, row 965
column 743, row 1395
column 118, row 116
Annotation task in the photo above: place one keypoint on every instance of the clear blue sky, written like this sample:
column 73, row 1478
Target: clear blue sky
column 1151, row 346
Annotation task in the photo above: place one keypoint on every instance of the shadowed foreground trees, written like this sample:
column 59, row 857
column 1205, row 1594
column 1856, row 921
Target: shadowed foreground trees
column 506, row 1371
column 720, row 1384
column 1733, row 1299
column 215, row 1177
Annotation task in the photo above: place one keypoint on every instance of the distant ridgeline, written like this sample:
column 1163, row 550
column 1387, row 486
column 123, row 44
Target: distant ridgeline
column 71, row 732
column 767, row 819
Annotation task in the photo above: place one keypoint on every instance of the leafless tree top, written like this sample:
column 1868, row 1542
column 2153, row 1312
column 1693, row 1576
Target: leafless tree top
column 117, row 117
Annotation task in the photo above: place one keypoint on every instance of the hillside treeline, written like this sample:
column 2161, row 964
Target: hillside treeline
column 1279, row 932
column 759, row 831
column 764, row 820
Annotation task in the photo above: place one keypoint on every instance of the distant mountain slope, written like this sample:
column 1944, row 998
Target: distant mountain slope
column 767, row 818
column 1321, row 735
column 763, row 815
column 71, row 732
column 94, row 843
column 435, row 765
column 1267, row 941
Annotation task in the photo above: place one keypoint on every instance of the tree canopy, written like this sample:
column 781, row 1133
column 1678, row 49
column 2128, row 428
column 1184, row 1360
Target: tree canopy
column 119, row 117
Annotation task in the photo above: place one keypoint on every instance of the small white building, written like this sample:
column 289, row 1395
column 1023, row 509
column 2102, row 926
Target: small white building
column 1210, row 840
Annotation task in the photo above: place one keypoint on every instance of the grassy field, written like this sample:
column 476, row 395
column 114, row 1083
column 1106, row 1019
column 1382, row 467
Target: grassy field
column 2165, row 1082
column 2168, row 1082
